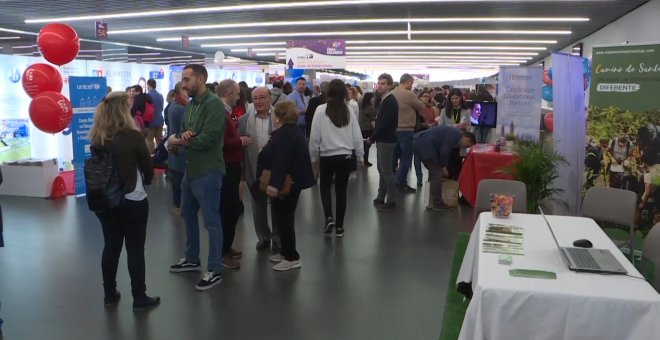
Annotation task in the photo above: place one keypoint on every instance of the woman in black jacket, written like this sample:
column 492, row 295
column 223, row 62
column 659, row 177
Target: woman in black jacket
column 114, row 131
column 286, row 154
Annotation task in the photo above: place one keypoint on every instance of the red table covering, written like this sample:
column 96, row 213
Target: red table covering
column 482, row 163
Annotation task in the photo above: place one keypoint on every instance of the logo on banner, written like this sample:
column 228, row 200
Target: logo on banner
column 94, row 86
column 97, row 73
column 14, row 75
column 337, row 48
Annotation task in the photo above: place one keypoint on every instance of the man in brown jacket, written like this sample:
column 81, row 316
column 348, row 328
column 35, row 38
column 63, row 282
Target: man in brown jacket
column 409, row 107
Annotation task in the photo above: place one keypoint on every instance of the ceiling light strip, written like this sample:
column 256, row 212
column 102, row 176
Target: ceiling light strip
column 362, row 21
column 442, row 53
column 362, row 33
column 246, row 7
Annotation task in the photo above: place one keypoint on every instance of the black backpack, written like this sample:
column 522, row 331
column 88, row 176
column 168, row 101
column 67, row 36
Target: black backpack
column 104, row 188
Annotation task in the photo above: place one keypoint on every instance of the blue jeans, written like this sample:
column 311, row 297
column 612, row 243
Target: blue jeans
column 203, row 192
column 405, row 147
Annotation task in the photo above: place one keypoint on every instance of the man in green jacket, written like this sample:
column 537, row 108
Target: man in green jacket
column 203, row 130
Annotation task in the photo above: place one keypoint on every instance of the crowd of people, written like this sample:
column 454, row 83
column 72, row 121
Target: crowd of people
column 224, row 137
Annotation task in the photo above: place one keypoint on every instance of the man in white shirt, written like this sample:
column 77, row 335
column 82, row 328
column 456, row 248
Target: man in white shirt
column 257, row 123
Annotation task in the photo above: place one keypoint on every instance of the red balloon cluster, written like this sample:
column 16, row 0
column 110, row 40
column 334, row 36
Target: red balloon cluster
column 50, row 111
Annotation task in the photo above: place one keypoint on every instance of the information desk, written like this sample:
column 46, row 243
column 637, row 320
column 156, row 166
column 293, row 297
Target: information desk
column 572, row 306
column 482, row 163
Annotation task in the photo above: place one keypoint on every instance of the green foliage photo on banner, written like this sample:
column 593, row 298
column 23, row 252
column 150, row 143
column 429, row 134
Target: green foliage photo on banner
column 623, row 149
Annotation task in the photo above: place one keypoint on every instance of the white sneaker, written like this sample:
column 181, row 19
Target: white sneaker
column 276, row 258
column 286, row 265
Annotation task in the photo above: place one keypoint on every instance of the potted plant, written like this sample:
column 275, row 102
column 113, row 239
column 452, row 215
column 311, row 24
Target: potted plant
column 537, row 166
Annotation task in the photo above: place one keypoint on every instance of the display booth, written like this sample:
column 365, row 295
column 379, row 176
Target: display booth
column 20, row 139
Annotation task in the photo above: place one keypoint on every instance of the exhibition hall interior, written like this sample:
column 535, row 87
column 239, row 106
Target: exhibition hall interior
column 290, row 169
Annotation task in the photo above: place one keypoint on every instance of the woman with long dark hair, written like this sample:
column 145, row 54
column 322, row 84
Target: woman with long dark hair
column 456, row 113
column 114, row 132
column 367, row 118
column 335, row 135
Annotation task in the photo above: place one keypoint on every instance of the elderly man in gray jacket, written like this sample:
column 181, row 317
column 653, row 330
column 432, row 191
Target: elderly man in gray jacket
column 258, row 124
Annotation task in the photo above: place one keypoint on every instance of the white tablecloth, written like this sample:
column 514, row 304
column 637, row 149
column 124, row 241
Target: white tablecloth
column 574, row 306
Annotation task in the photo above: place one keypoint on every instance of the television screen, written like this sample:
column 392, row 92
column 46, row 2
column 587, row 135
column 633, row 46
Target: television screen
column 483, row 114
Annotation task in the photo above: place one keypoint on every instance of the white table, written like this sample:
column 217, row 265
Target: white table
column 574, row 306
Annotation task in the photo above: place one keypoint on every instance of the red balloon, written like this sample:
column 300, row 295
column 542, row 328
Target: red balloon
column 548, row 121
column 58, row 43
column 51, row 112
column 546, row 78
column 39, row 78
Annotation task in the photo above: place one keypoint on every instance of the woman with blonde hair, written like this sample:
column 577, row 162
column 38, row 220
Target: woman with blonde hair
column 285, row 155
column 115, row 133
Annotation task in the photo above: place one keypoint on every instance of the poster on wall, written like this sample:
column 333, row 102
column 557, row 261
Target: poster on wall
column 624, row 125
column 14, row 139
column 519, row 102
column 316, row 54
column 86, row 92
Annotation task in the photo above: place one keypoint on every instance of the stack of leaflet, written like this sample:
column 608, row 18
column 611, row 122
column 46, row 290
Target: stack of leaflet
column 503, row 239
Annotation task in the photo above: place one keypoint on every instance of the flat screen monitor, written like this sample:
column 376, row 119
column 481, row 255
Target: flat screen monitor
column 483, row 114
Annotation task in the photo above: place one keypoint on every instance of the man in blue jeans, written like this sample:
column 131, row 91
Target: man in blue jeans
column 203, row 130
column 409, row 107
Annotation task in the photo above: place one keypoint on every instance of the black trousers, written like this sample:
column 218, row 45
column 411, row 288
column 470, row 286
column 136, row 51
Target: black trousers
column 230, row 205
column 366, row 134
column 337, row 167
column 127, row 222
column 284, row 211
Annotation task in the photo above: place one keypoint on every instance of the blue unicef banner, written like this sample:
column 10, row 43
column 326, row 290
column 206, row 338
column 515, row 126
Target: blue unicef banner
column 85, row 94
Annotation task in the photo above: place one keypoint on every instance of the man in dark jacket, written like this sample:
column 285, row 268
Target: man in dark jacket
column 384, row 134
column 434, row 147
column 313, row 104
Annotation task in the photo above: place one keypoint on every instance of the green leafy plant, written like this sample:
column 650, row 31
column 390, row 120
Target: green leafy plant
column 510, row 137
column 538, row 167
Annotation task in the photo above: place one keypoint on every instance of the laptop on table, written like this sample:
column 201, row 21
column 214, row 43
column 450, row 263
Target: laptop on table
column 591, row 260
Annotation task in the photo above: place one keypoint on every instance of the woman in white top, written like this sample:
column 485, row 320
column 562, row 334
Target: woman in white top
column 353, row 103
column 456, row 114
column 334, row 136
column 114, row 132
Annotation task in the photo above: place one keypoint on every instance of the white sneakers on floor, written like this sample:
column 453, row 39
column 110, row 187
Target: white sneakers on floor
column 287, row 265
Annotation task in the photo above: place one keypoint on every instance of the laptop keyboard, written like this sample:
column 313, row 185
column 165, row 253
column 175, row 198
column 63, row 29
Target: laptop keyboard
column 583, row 258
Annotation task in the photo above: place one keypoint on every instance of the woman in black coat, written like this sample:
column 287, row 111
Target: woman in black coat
column 286, row 154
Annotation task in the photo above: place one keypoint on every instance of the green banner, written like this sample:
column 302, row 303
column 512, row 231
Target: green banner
column 627, row 77
column 624, row 125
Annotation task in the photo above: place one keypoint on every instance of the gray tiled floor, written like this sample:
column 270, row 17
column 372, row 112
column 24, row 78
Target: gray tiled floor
column 387, row 279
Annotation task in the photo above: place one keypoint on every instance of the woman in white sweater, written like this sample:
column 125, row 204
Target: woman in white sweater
column 334, row 136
